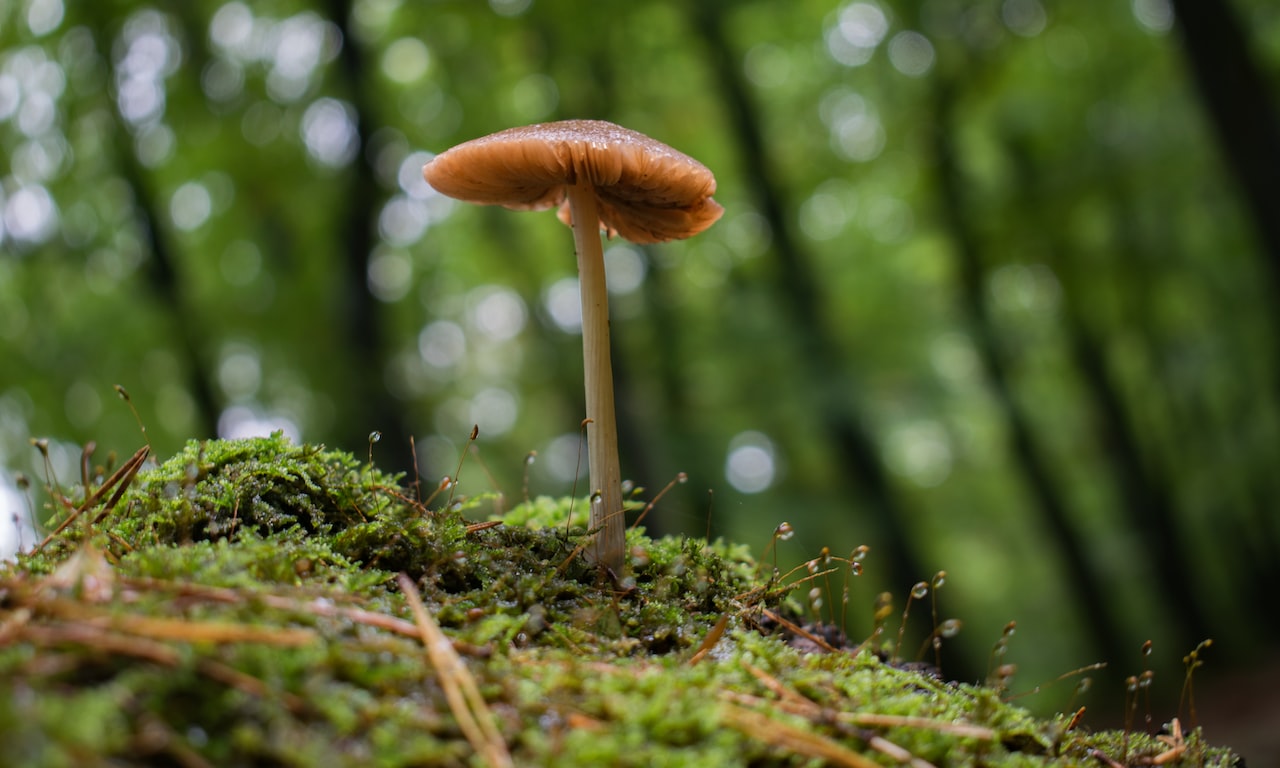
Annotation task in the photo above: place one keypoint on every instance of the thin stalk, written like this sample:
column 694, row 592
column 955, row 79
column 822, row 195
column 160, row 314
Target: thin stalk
column 602, row 429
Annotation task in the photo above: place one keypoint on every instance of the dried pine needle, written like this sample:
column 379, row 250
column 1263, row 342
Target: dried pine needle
column 465, row 701
column 791, row 738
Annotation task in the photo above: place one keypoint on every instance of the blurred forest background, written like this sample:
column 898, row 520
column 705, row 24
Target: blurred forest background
column 997, row 289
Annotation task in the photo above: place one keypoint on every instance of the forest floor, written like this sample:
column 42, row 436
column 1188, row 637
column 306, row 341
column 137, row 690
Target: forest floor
column 256, row 602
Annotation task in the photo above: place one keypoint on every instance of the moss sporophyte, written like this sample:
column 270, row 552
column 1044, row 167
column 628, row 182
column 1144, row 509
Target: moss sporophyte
column 256, row 602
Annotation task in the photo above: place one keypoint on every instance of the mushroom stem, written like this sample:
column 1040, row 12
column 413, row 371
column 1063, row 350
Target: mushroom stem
column 602, row 429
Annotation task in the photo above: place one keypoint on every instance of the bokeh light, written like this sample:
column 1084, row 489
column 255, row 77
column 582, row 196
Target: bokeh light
column 624, row 269
column 390, row 274
column 921, row 452
column 252, row 420
column 563, row 303
column 564, row 458
column 406, row 60
column 751, row 464
column 496, row 312
column 16, row 533
column 911, row 53
column 442, row 344
column 858, row 31
column 329, row 132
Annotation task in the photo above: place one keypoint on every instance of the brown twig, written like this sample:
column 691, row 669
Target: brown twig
column 798, row 704
column 789, row 737
column 963, row 730
column 103, row 640
column 317, row 607
column 794, row 703
column 795, row 628
column 460, row 689
column 246, row 683
column 122, row 476
column 710, row 640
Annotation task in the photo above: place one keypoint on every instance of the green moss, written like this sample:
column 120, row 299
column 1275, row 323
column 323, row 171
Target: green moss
column 238, row 605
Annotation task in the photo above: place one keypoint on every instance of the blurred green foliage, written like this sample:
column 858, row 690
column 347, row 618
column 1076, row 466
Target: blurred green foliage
column 985, row 296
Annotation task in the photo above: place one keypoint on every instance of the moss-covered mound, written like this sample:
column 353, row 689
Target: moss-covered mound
column 253, row 602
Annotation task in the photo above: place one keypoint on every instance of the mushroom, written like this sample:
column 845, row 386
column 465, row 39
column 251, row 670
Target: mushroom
column 603, row 177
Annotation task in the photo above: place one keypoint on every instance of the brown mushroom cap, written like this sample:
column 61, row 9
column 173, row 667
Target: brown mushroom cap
column 648, row 192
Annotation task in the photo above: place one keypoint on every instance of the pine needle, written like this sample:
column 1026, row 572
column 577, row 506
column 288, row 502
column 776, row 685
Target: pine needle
column 791, row 738
column 466, row 703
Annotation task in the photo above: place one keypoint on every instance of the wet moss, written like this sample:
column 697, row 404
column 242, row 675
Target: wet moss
column 239, row 605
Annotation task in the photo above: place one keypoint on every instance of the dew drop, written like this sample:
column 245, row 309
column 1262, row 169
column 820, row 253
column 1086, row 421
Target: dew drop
column 530, row 457
column 812, row 566
column 1010, row 628
column 860, row 553
column 682, row 478
column 1131, row 684
column 375, row 436
column 950, row 628
column 1084, row 685
column 784, row 531
column 919, row 591
column 856, row 568
column 939, row 579
column 1146, row 648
